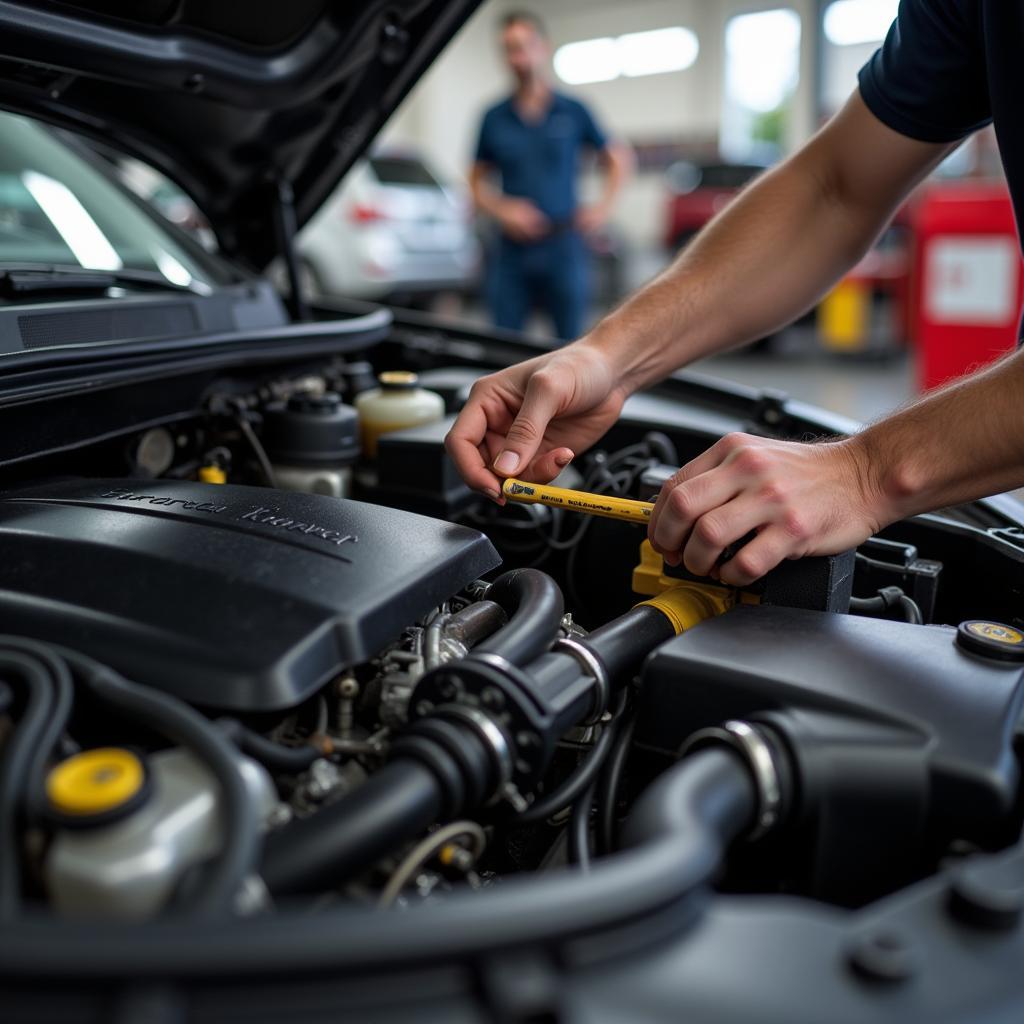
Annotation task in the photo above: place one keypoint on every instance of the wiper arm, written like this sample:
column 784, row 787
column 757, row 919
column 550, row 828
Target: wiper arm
column 20, row 281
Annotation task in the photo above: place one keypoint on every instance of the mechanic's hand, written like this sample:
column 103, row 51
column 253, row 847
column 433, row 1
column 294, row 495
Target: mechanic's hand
column 799, row 499
column 531, row 419
column 521, row 220
column 590, row 219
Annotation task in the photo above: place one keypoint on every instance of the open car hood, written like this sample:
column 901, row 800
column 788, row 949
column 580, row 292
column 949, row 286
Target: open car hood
column 227, row 99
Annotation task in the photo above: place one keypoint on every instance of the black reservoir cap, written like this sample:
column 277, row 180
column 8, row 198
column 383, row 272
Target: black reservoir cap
column 311, row 430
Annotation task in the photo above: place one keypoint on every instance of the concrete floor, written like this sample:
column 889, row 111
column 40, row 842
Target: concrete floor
column 862, row 389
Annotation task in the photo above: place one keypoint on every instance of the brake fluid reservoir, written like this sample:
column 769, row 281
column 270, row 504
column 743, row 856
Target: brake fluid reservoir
column 398, row 403
column 129, row 834
column 313, row 443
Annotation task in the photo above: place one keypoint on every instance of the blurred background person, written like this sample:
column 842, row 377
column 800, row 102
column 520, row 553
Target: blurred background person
column 525, row 178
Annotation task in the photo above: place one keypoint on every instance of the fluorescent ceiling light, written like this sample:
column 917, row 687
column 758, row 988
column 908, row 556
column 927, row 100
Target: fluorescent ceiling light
column 657, row 51
column 853, row 22
column 81, row 234
column 762, row 58
column 634, row 54
column 590, row 60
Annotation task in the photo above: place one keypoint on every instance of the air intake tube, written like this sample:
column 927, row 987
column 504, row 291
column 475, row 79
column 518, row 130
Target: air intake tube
column 484, row 728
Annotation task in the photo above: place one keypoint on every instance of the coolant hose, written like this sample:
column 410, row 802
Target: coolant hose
column 438, row 767
column 534, row 606
column 342, row 839
column 682, row 827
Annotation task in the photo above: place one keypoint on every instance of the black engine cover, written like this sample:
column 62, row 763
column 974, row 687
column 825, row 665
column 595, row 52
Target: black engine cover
column 230, row 597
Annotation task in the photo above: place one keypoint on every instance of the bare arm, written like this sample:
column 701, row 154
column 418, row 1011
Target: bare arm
column 771, row 254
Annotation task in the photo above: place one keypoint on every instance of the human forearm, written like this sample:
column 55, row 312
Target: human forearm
column 962, row 442
column 618, row 165
column 773, row 252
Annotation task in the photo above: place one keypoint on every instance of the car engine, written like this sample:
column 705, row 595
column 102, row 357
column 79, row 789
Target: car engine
column 380, row 722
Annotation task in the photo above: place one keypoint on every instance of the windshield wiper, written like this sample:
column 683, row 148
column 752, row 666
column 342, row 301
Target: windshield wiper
column 24, row 280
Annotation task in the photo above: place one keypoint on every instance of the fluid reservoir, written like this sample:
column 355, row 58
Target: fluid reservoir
column 398, row 403
column 128, row 830
column 312, row 442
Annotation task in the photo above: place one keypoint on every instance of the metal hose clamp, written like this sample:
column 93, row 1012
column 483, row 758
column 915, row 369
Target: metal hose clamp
column 750, row 744
column 502, row 664
column 591, row 665
column 491, row 735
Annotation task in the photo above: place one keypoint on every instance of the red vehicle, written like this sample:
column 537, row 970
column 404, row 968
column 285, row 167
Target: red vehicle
column 698, row 192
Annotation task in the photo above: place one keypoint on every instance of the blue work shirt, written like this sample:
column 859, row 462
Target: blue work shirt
column 539, row 160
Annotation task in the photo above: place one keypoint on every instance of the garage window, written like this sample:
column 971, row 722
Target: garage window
column 762, row 67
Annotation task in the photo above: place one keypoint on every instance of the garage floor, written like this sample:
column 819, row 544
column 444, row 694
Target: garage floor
column 861, row 389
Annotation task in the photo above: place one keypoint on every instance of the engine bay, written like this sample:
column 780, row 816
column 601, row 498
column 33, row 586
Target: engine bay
column 255, row 679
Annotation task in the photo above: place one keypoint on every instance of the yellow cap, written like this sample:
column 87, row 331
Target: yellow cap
column 212, row 475
column 398, row 379
column 689, row 604
column 95, row 782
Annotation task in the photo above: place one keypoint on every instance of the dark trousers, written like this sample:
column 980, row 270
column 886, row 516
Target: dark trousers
column 552, row 275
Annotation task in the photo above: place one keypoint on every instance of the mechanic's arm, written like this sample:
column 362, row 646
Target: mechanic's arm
column 518, row 217
column 617, row 162
column 764, row 260
column 774, row 251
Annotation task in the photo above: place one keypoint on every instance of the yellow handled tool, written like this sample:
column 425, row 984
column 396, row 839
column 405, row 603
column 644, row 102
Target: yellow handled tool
column 578, row 501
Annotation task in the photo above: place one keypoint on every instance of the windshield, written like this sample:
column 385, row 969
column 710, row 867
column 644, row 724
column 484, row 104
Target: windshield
column 56, row 208
column 397, row 170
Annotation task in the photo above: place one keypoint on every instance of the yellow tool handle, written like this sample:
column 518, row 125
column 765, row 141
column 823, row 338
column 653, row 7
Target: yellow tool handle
column 578, row 501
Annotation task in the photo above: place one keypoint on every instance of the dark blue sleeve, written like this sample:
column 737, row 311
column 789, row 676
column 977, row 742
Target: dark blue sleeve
column 485, row 152
column 590, row 131
column 928, row 79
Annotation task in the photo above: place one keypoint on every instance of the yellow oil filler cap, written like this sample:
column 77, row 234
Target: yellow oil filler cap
column 96, row 783
column 212, row 474
column 991, row 640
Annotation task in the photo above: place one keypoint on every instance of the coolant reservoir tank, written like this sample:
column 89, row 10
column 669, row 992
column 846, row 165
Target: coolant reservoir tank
column 398, row 403
column 127, row 841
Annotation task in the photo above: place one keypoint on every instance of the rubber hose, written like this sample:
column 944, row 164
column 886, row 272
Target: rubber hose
column 608, row 787
column 533, row 603
column 347, row 836
column 475, row 622
column 579, row 830
column 15, row 764
column 624, row 642
column 270, row 754
column 683, row 826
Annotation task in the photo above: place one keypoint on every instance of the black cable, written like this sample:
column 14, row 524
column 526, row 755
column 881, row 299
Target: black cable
column 886, row 599
column 258, row 450
column 911, row 610
column 16, row 762
column 273, row 755
column 579, row 830
column 608, row 787
column 585, row 773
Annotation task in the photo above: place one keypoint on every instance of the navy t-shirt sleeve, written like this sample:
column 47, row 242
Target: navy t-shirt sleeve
column 928, row 79
column 485, row 150
column 591, row 133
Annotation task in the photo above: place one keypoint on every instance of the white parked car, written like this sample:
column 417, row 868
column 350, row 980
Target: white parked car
column 392, row 228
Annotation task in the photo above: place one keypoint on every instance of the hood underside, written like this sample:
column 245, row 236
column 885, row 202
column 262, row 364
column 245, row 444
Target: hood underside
column 228, row 99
